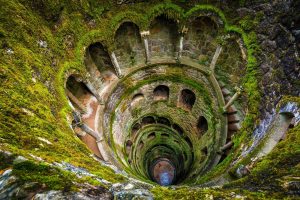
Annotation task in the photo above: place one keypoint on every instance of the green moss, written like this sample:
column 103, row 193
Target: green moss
column 284, row 159
column 19, row 130
column 200, row 8
column 201, row 193
column 287, row 98
column 249, row 22
column 172, row 11
column 52, row 177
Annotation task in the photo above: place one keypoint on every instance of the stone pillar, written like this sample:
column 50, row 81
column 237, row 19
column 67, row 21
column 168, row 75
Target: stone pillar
column 180, row 47
column 226, row 146
column 91, row 87
column 74, row 99
column 144, row 35
column 182, row 34
column 102, row 148
column 215, row 58
column 116, row 64
column 89, row 131
column 233, row 98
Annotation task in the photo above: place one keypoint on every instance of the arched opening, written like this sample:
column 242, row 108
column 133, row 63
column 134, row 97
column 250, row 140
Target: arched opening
column 164, row 121
column 102, row 60
column 202, row 126
column 130, row 50
column 161, row 92
column 77, row 92
column 148, row 120
column 187, row 99
column 204, row 151
column 195, row 45
column 164, row 36
column 141, row 145
column 136, row 99
column 178, row 129
column 151, row 136
column 128, row 146
column 287, row 119
column 136, row 127
column 163, row 171
column 86, row 103
column 189, row 142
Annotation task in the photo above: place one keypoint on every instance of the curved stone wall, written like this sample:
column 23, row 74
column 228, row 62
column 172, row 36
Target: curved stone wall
column 105, row 99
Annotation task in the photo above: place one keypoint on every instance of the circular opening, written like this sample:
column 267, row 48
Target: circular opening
column 163, row 171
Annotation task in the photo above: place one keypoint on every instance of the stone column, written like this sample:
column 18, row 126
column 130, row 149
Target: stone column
column 233, row 98
column 144, row 35
column 91, row 87
column 102, row 148
column 182, row 34
column 116, row 64
column 215, row 58
column 89, row 131
column 76, row 101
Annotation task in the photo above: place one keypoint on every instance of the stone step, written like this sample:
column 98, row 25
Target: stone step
column 231, row 110
column 233, row 118
column 225, row 92
column 234, row 127
column 234, row 122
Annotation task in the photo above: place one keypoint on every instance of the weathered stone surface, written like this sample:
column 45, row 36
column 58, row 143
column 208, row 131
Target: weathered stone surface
column 57, row 195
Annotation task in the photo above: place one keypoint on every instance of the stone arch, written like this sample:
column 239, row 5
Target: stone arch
column 135, row 128
column 129, row 47
column 85, row 102
column 161, row 92
column 177, row 128
column 151, row 136
column 202, row 125
column 128, row 145
column 200, row 41
column 187, row 99
column 164, row 37
column 164, row 121
column 99, row 63
column 136, row 99
column 148, row 120
column 75, row 91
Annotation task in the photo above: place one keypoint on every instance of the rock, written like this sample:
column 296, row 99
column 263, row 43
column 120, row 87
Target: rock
column 9, row 51
column 42, row 44
column 242, row 171
column 293, row 187
column 265, row 67
column 129, row 186
column 44, row 140
column 19, row 159
column 242, row 12
column 133, row 194
column 268, row 45
column 283, row 40
column 58, row 195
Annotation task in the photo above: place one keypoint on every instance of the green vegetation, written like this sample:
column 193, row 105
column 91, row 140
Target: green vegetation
column 53, row 178
column 284, row 160
column 201, row 193
column 33, row 102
